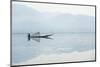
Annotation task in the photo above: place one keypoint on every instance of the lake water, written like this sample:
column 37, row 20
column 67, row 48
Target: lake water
column 23, row 50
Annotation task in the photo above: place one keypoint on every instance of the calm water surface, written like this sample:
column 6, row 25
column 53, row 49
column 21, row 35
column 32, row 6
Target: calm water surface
column 22, row 49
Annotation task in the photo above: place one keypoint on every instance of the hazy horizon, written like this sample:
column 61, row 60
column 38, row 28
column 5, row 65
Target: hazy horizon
column 35, row 21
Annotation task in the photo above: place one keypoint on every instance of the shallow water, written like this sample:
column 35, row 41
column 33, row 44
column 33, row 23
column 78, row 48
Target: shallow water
column 23, row 50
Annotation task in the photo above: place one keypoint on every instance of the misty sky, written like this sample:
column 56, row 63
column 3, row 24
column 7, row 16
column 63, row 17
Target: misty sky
column 26, row 18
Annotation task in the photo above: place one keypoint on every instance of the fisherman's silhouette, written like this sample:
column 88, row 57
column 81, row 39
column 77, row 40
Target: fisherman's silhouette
column 36, row 36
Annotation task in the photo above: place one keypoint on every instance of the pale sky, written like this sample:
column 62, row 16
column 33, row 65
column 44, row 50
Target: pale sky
column 57, row 8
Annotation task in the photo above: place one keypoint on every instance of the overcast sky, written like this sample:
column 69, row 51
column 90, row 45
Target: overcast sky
column 58, row 8
column 38, row 17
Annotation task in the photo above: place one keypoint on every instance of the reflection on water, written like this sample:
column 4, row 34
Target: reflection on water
column 22, row 49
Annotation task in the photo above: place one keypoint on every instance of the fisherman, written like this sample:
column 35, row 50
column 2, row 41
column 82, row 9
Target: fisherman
column 37, row 35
